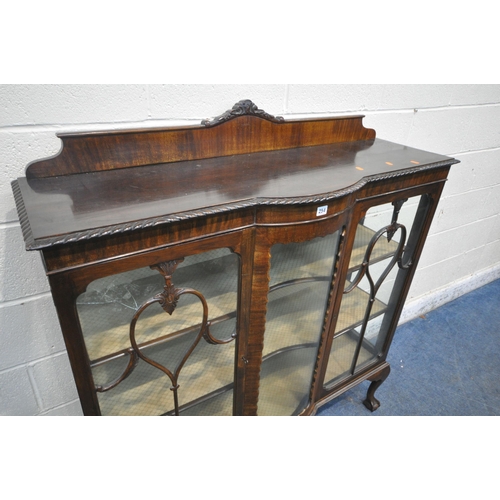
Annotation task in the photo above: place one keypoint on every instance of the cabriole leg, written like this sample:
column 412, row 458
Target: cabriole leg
column 371, row 402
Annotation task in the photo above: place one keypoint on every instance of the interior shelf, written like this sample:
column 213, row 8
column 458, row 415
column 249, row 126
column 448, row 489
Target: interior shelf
column 353, row 308
column 147, row 390
column 290, row 359
column 288, row 368
column 341, row 356
column 382, row 250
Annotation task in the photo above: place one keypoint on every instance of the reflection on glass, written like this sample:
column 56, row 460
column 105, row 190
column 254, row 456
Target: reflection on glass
column 381, row 251
column 205, row 381
column 300, row 280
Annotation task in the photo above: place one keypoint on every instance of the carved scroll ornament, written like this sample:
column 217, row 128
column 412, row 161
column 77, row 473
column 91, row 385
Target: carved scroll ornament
column 170, row 296
column 244, row 107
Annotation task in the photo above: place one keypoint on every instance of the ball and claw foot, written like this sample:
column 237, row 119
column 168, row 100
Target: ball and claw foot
column 370, row 402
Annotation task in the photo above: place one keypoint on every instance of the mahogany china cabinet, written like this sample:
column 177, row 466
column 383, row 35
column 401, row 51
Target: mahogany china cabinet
column 248, row 265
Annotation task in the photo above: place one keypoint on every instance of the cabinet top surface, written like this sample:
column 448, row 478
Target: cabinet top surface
column 81, row 202
column 61, row 208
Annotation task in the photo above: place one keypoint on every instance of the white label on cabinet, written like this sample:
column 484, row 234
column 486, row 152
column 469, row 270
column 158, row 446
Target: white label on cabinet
column 321, row 210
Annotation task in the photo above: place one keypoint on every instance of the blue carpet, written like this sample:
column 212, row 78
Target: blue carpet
column 446, row 363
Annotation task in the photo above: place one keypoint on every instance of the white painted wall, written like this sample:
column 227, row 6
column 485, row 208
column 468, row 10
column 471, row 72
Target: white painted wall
column 463, row 250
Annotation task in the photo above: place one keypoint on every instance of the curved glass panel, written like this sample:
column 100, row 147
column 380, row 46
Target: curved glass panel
column 300, row 281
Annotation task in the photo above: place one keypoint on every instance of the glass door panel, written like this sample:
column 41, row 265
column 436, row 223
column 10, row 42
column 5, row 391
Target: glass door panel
column 146, row 362
column 382, row 249
column 300, row 281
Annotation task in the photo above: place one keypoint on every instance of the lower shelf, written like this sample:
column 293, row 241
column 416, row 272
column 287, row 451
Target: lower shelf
column 284, row 371
column 353, row 309
column 217, row 404
column 341, row 357
column 147, row 390
column 205, row 383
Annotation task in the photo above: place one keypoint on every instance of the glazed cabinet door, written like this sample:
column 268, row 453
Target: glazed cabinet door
column 159, row 330
column 294, row 276
column 389, row 233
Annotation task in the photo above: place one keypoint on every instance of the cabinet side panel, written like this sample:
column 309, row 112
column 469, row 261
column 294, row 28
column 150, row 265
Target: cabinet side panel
column 63, row 293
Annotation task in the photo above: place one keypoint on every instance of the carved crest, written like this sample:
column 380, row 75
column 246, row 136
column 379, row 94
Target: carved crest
column 170, row 296
column 244, row 107
column 391, row 231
